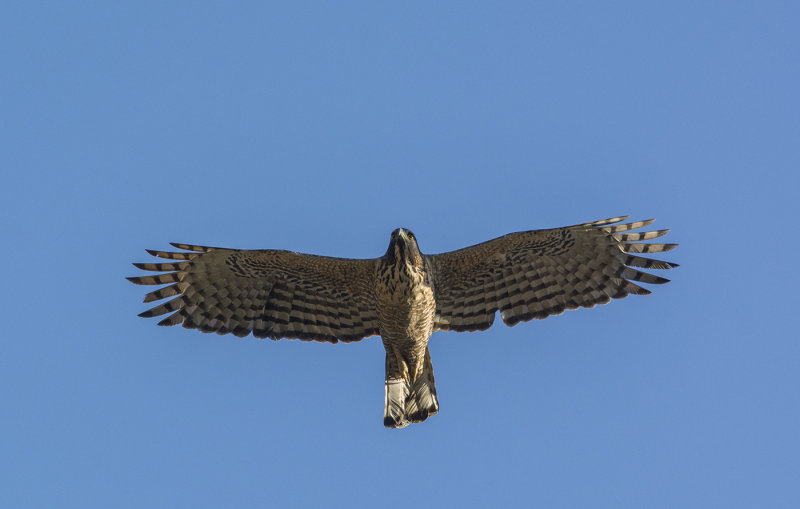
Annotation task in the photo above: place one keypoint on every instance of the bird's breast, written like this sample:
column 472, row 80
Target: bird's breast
column 406, row 304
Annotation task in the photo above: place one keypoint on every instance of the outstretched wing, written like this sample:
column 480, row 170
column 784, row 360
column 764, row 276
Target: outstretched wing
column 540, row 273
column 276, row 294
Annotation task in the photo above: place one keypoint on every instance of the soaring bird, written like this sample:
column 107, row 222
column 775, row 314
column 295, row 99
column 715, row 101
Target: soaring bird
column 403, row 296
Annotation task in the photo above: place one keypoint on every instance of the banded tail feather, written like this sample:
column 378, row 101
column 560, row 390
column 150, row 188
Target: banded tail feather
column 410, row 401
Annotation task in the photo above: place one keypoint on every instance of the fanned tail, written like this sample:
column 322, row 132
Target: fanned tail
column 407, row 401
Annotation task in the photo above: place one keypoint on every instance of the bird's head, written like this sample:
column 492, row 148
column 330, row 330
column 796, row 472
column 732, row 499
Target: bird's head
column 403, row 248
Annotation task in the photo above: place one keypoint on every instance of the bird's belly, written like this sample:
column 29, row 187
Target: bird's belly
column 405, row 328
column 408, row 323
column 406, row 313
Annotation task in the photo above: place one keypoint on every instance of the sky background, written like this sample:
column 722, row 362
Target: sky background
column 320, row 127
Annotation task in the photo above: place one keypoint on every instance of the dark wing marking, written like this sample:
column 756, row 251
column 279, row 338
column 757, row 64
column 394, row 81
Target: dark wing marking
column 276, row 294
column 540, row 273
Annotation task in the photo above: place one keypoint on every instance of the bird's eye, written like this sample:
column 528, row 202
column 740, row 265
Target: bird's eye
column 411, row 236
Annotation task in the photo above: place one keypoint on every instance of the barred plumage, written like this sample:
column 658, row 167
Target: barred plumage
column 403, row 296
column 276, row 294
column 541, row 273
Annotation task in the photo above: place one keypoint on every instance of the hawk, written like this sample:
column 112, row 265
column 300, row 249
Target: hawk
column 403, row 296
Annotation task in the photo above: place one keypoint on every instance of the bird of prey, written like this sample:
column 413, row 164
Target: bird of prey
column 403, row 296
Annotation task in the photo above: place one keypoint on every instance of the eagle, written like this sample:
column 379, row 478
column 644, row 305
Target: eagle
column 404, row 295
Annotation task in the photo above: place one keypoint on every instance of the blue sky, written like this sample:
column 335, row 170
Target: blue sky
column 321, row 127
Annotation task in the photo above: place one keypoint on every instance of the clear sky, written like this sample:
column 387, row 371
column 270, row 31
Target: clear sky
column 322, row 126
